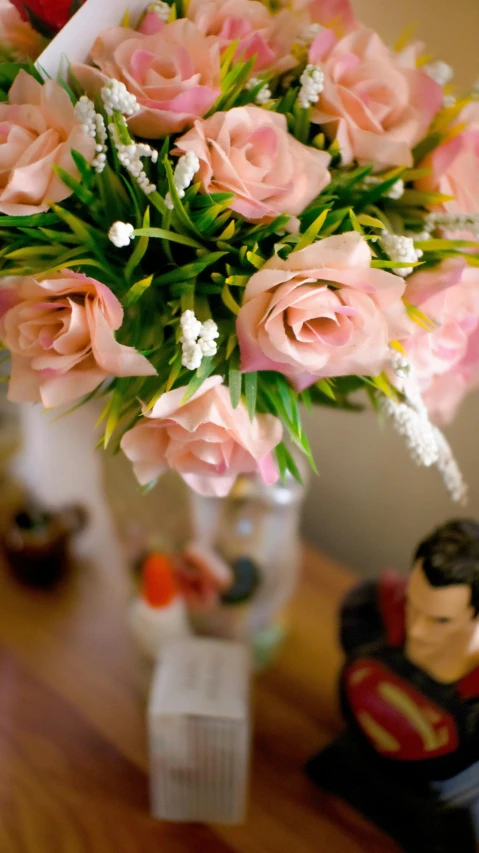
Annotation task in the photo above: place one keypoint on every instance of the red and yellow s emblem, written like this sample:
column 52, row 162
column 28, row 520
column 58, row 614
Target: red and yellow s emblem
column 399, row 721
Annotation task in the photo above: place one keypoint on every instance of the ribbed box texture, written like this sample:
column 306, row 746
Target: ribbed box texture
column 199, row 732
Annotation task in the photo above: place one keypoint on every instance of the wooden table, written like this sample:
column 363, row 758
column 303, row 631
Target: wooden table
column 73, row 760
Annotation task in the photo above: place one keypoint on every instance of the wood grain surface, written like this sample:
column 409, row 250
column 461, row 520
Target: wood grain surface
column 73, row 759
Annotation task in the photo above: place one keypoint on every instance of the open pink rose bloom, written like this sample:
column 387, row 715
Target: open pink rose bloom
column 249, row 152
column 205, row 440
column 60, row 332
column 376, row 105
column 174, row 74
column 38, row 128
column 322, row 312
column 446, row 359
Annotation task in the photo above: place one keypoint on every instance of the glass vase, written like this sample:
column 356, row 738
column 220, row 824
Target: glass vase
column 260, row 523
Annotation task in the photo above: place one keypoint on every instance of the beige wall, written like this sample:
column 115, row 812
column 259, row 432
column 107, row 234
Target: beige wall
column 371, row 504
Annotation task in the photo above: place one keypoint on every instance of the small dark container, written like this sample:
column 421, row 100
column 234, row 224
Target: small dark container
column 36, row 544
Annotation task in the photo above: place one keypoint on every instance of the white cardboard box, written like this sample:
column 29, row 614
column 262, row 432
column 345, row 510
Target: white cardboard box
column 199, row 732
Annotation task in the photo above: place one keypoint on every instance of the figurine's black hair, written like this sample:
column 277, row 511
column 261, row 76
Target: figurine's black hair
column 450, row 555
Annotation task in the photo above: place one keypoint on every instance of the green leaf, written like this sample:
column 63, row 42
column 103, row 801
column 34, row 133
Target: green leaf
column 287, row 463
column 172, row 236
column 140, row 249
column 305, row 398
column 188, row 271
column 370, row 221
column 179, row 208
column 228, row 232
column 377, row 263
column 36, row 220
column 80, row 228
column 231, row 345
column 137, row 290
column 229, row 300
column 113, row 418
column 86, row 171
column 234, row 383
column 377, row 191
column 325, row 386
column 384, row 385
column 433, row 245
column 426, row 146
column 312, row 232
column 262, row 231
column 425, row 199
column 281, row 460
column 354, row 221
column 206, row 368
column 82, row 192
column 419, row 317
column 174, row 372
column 251, row 392
column 284, row 392
column 32, row 252
column 188, row 299
column 255, row 260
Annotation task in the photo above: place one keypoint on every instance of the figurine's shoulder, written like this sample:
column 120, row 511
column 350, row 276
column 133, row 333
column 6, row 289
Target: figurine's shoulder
column 374, row 610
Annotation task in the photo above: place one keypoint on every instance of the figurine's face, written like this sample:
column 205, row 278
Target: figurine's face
column 438, row 619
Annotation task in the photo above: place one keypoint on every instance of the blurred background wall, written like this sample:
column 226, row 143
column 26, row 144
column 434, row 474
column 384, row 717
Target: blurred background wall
column 370, row 504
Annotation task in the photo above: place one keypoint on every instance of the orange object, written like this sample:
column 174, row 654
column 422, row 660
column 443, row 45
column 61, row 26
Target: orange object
column 159, row 583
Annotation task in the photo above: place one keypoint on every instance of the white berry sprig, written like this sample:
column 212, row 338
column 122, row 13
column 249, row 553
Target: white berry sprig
column 312, row 84
column 198, row 340
column 93, row 124
column 183, row 175
column 400, row 249
column 121, row 234
column 425, row 442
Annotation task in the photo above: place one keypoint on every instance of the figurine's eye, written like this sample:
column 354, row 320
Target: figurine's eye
column 442, row 620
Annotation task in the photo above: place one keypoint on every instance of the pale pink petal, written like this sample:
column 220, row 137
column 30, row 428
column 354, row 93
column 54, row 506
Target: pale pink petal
column 111, row 356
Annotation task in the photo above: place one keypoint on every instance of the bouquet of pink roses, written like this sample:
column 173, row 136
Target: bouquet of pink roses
column 229, row 208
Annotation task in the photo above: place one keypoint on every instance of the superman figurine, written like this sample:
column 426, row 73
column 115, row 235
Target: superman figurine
column 409, row 759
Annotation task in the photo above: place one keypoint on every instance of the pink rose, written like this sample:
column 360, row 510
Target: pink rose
column 337, row 14
column 174, row 74
column 454, row 166
column 322, row 312
column 151, row 23
column 377, row 105
column 332, row 13
column 249, row 152
column 38, row 128
column 60, row 334
column 447, row 359
column 207, row 441
column 16, row 36
column 259, row 33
